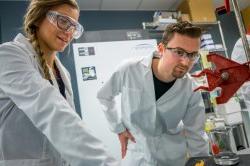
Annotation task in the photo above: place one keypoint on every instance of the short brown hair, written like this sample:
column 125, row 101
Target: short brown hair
column 183, row 28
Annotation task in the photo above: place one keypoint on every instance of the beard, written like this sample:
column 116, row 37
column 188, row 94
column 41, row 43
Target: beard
column 179, row 71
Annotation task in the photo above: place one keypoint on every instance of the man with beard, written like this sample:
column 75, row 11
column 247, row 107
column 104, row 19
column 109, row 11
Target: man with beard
column 162, row 119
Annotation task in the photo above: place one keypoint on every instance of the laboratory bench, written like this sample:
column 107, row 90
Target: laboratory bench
column 209, row 161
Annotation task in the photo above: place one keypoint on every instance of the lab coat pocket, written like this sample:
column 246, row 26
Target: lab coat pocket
column 168, row 149
column 28, row 162
column 134, row 158
column 52, row 155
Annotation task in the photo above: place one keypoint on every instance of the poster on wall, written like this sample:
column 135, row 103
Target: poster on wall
column 89, row 73
column 94, row 64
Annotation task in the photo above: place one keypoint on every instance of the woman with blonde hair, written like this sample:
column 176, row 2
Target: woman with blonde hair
column 38, row 122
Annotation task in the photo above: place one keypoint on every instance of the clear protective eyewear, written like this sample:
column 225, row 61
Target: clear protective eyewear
column 194, row 56
column 65, row 23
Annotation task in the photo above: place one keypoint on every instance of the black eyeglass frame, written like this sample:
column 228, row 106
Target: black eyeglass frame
column 194, row 56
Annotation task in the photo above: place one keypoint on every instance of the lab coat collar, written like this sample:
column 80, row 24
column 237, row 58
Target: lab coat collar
column 147, row 61
column 20, row 38
column 25, row 43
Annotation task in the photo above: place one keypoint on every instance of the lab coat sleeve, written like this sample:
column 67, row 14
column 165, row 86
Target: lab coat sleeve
column 106, row 96
column 239, row 55
column 194, row 120
column 48, row 110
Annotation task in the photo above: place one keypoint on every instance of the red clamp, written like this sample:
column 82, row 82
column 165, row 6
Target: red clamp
column 228, row 75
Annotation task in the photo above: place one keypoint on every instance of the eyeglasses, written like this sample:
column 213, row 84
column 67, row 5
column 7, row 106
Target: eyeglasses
column 194, row 56
column 65, row 23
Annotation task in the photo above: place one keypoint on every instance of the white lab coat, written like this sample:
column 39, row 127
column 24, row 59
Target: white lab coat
column 38, row 127
column 239, row 55
column 165, row 130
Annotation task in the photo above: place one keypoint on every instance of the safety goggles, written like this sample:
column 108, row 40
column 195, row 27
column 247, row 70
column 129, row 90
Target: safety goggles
column 194, row 56
column 65, row 23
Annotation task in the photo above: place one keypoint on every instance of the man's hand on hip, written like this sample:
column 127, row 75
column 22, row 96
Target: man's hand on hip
column 124, row 137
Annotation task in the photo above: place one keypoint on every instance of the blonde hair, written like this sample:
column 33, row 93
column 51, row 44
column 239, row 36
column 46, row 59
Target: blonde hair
column 35, row 13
